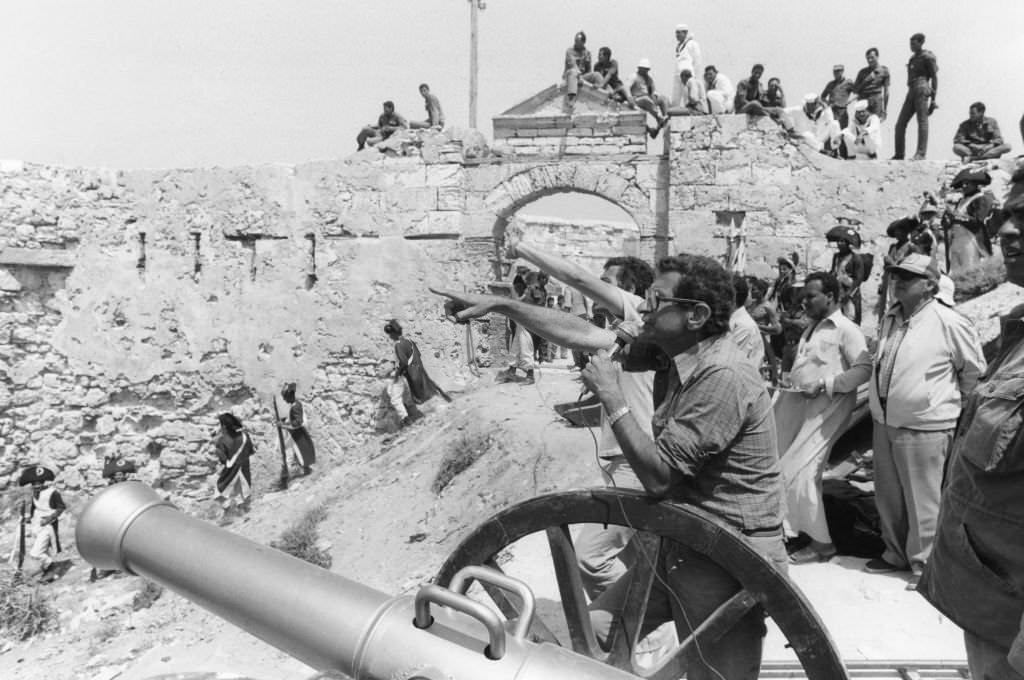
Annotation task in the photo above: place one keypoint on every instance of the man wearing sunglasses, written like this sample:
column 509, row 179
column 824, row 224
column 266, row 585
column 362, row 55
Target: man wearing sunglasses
column 976, row 572
column 928, row 359
column 713, row 446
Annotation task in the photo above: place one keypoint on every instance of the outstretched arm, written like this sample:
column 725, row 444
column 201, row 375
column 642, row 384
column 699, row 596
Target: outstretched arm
column 603, row 293
column 561, row 328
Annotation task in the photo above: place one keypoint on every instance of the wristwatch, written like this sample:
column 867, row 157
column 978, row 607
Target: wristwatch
column 617, row 415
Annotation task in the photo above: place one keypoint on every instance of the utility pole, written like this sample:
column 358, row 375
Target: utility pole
column 474, row 7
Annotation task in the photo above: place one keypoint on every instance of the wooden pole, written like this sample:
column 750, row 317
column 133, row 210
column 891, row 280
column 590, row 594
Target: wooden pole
column 474, row 10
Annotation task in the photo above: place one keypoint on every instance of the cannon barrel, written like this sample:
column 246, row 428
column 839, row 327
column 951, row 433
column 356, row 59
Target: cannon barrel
column 324, row 619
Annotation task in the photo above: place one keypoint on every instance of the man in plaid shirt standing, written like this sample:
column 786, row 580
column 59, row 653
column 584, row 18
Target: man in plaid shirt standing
column 713, row 446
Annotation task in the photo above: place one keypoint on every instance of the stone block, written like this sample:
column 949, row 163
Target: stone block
column 437, row 222
column 581, row 132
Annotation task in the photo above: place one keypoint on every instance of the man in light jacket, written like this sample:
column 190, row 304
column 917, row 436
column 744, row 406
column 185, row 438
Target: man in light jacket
column 928, row 357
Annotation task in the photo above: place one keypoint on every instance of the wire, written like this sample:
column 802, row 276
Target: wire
column 639, row 548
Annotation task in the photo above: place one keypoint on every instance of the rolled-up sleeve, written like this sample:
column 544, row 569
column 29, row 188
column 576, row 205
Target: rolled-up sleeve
column 708, row 417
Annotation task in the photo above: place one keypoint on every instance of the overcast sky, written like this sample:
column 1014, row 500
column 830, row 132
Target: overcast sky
column 147, row 83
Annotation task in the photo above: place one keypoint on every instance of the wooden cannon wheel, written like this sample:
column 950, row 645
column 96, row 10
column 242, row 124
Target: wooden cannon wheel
column 761, row 584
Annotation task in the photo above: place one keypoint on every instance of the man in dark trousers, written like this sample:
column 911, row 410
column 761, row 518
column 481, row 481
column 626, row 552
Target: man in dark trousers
column 922, row 86
column 388, row 123
column 409, row 365
column 295, row 423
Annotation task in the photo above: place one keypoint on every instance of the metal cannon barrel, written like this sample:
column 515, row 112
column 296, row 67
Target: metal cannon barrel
column 319, row 617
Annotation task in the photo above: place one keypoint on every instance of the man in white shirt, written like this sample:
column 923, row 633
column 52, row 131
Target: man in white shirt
column 688, row 57
column 863, row 135
column 720, row 90
column 831, row 363
column 817, row 125
column 928, row 357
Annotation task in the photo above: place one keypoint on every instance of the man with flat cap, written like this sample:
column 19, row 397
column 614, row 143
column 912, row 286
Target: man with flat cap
column 928, row 359
column 688, row 57
column 836, row 95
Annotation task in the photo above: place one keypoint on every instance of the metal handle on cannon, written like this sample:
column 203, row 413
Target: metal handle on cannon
column 437, row 595
column 463, row 577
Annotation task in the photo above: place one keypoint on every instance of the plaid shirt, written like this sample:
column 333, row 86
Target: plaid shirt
column 716, row 427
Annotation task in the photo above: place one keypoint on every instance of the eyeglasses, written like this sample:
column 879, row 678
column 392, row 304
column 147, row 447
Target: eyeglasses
column 654, row 300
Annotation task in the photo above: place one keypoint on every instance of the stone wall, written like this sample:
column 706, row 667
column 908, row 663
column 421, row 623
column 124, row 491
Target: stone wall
column 587, row 134
column 136, row 305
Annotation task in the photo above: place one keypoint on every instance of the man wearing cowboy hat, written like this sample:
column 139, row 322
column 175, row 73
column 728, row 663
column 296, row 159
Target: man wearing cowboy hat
column 978, row 138
column 928, row 359
column 970, row 240
column 863, row 136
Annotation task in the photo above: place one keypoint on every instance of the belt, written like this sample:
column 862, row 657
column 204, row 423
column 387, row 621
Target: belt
column 763, row 533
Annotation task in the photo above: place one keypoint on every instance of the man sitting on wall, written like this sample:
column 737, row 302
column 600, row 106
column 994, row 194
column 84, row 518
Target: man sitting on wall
column 978, row 138
column 388, row 123
column 435, row 116
column 642, row 95
column 863, row 136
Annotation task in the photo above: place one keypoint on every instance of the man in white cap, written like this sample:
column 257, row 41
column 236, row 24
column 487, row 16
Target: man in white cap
column 817, row 125
column 928, row 360
column 863, row 136
column 643, row 96
column 688, row 57
column 837, row 94
column 720, row 90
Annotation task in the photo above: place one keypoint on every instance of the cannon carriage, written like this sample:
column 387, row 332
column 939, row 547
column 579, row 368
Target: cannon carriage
column 333, row 623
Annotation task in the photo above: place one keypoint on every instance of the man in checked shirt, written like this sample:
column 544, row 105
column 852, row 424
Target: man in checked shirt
column 714, row 447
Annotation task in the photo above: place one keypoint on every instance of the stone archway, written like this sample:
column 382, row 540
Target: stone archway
column 617, row 183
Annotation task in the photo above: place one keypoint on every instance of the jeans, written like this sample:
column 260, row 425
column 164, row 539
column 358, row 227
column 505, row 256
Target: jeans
column 916, row 104
column 696, row 587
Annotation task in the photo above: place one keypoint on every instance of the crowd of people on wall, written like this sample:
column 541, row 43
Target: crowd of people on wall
column 843, row 120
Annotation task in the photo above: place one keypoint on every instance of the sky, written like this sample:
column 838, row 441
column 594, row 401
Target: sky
column 198, row 83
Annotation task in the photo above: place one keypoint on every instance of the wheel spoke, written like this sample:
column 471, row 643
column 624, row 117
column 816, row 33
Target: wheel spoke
column 706, row 634
column 626, row 628
column 539, row 632
column 570, row 587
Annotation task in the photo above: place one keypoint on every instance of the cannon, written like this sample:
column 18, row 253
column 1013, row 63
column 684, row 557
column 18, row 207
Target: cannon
column 325, row 620
column 333, row 623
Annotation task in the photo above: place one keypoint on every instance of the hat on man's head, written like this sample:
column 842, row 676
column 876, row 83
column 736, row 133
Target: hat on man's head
column 682, row 27
column 861, row 105
column 644, row 63
column 35, row 474
column 918, row 264
column 810, row 98
column 393, row 326
column 975, row 175
column 838, row 67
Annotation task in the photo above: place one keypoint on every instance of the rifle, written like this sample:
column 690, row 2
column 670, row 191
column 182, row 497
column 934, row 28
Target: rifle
column 21, row 537
column 283, row 480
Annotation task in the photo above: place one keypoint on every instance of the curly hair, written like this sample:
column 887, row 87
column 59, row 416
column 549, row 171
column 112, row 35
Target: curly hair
column 706, row 280
column 757, row 285
column 634, row 272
